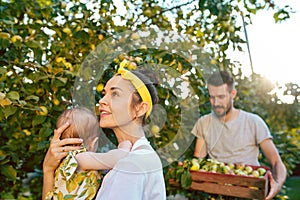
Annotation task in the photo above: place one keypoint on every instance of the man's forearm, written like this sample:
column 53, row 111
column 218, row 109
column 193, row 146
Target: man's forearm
column 279, row 173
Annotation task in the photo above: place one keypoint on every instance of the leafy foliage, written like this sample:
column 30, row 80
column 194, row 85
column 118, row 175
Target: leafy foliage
column 43, row 44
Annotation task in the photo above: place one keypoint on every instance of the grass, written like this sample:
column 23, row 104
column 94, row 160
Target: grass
column 293, row 187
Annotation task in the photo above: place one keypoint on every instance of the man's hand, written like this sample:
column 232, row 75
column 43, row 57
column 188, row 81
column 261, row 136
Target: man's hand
column 274, row 187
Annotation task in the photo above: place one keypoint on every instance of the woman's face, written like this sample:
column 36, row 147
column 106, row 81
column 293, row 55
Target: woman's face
column 115, row 105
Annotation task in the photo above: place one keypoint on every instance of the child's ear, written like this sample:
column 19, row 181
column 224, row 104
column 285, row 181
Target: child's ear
column 93, row 145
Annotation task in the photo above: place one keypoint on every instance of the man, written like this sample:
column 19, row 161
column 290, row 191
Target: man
column 232, row 135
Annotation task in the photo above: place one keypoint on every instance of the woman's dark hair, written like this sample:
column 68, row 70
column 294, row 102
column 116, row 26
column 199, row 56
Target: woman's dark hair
column 150, row 79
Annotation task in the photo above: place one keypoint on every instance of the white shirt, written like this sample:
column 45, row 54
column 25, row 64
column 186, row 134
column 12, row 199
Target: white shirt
column 138, row 176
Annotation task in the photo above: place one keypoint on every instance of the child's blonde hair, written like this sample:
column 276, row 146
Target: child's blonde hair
column 83, row 124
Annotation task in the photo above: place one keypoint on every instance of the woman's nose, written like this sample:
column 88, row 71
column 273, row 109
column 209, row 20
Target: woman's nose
column 103, row 100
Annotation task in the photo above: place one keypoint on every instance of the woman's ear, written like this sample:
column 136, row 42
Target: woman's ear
column 141, row 109
column 93, row 145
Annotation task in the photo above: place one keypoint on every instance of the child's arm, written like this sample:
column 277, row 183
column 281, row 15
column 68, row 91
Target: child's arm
column 99, row 161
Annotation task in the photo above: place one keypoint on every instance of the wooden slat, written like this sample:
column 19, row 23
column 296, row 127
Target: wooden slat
column 235, row 191
column 228, row 179
column 228, row 184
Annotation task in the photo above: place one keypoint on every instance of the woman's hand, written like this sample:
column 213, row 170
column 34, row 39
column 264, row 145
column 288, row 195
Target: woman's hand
column 58, row 149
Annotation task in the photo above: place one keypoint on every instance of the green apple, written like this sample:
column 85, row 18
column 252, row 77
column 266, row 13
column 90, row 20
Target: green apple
column 195, row 167
column 240, row 172
column 262, row 171
column 67, row 31
column 155, row 129
column 255, row 173
column 43, row 111
column 240, row 166
column 221, row 164
column 213, row 167
column 135, row 36
column 205, row 168
column 231, row 165
column 194, row 160
column 16, row 38
column 226, row 169
column 248, row 169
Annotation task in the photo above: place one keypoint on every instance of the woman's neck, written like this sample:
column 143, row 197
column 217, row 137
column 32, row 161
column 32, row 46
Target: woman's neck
column 131, row 133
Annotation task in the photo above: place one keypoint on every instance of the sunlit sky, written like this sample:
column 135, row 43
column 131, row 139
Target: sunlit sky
column 274, row 47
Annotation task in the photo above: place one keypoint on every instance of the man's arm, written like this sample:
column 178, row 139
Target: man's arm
column 200, row 148
column 278, row 176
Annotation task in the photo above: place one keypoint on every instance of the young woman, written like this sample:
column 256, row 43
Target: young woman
column 71, row 181
column 127, row 100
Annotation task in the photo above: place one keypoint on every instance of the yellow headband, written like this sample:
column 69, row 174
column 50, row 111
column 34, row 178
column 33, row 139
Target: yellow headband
column 139, row 86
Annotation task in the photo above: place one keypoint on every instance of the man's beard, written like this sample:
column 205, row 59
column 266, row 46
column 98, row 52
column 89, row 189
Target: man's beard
column 224, row 113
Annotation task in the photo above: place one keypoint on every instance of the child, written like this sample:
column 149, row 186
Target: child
column 70, row 179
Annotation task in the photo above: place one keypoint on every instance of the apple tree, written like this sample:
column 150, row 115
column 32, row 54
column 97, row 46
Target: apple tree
column 43, row 44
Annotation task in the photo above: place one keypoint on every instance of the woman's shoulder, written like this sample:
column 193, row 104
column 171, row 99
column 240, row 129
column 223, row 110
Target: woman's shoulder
column 142, row 158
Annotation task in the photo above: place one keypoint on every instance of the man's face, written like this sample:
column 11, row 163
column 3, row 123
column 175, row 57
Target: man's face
column 221, row 99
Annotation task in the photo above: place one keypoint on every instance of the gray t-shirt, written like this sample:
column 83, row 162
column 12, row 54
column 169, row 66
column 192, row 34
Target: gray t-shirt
column 236, row 141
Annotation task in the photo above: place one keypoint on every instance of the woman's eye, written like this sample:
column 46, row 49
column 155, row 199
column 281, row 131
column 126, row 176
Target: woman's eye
column 114, row 94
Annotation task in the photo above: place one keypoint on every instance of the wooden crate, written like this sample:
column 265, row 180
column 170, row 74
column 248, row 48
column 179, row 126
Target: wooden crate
column 228, row 184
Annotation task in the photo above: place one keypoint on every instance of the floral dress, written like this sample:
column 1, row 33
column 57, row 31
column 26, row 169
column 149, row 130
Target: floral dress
column 72, row 184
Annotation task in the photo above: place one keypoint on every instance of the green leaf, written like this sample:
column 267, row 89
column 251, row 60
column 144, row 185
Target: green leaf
column 69, row 196
column 33, row 44
column 178, row 174
column 13, row 95
column 38, row 120
column 38, row 53
column 9, row 110
column 2, row 155
column 64, row 80
column 81, row 35
column 32, row 97
column 4, row 43
column 186, row 179
column 9, row 172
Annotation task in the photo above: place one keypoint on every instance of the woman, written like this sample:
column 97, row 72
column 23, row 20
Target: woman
column 75, row 182
column 127, row 100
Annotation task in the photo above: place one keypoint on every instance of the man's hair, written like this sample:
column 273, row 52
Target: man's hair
column 221, row 77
